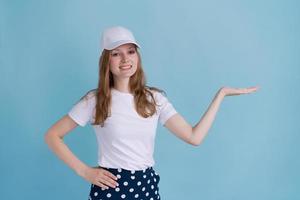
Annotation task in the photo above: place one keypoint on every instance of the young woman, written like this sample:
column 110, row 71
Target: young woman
column 124, row 112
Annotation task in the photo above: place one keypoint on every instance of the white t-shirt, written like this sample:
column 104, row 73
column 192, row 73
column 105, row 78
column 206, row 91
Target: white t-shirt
column 127, row 139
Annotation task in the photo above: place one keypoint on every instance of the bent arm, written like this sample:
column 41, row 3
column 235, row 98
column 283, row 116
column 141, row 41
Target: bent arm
column 201, row 129
column 195, row 135
column 54, row 139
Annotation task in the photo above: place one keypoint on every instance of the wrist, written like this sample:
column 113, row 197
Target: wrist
column 81, row 170
column 221, row 93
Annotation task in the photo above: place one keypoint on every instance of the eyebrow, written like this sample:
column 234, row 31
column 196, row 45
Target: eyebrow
column 119, row 49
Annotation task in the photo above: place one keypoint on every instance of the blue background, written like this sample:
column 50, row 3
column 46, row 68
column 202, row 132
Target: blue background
column 49, row 55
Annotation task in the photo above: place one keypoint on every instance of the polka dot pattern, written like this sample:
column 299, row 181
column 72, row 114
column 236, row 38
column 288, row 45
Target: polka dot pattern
column 133, row 184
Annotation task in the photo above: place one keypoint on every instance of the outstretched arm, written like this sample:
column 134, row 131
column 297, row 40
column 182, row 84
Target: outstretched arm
column 195, row 135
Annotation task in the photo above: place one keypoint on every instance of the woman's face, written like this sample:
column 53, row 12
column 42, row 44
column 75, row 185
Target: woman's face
column 123, row 61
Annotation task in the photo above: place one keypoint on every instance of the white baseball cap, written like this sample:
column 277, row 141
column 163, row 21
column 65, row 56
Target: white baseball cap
column 115, row 36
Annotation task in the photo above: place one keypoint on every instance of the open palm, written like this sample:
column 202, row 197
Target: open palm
column 228, row 91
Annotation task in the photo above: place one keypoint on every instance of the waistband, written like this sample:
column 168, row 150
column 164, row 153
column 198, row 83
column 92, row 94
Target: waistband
column 126, row 171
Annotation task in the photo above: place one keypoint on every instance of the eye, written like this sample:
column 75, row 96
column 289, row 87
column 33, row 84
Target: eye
column 131, row 51
column 115, row 54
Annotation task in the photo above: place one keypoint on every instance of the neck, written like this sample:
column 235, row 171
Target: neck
column 122, row 85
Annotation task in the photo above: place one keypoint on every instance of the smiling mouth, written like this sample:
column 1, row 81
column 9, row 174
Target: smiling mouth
column 125, row 67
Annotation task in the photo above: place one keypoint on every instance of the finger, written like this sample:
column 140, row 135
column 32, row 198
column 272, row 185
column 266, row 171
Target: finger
column 105, row 176
column 245, row 90
column 108, row 182
column 112, row 181
column 111, row 175
column 252, row 89
column 101, row 185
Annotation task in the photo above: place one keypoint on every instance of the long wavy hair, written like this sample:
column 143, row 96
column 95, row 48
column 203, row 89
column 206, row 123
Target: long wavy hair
column 144, row 106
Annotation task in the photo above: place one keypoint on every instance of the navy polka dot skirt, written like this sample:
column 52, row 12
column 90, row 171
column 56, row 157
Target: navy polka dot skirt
column 135, row 184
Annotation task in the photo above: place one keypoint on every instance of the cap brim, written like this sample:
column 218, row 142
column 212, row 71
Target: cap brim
column 119, row 43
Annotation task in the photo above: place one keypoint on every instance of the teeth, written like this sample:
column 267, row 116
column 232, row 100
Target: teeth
column 126, row 67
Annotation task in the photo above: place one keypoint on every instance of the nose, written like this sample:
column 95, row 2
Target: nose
column 124, row 58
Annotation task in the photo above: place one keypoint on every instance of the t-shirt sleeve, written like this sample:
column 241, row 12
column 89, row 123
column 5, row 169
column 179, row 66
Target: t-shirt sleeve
column 82, row 111
column 165, row 108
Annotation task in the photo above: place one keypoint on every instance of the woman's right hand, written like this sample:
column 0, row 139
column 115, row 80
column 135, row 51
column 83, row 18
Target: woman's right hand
column 100, row 177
